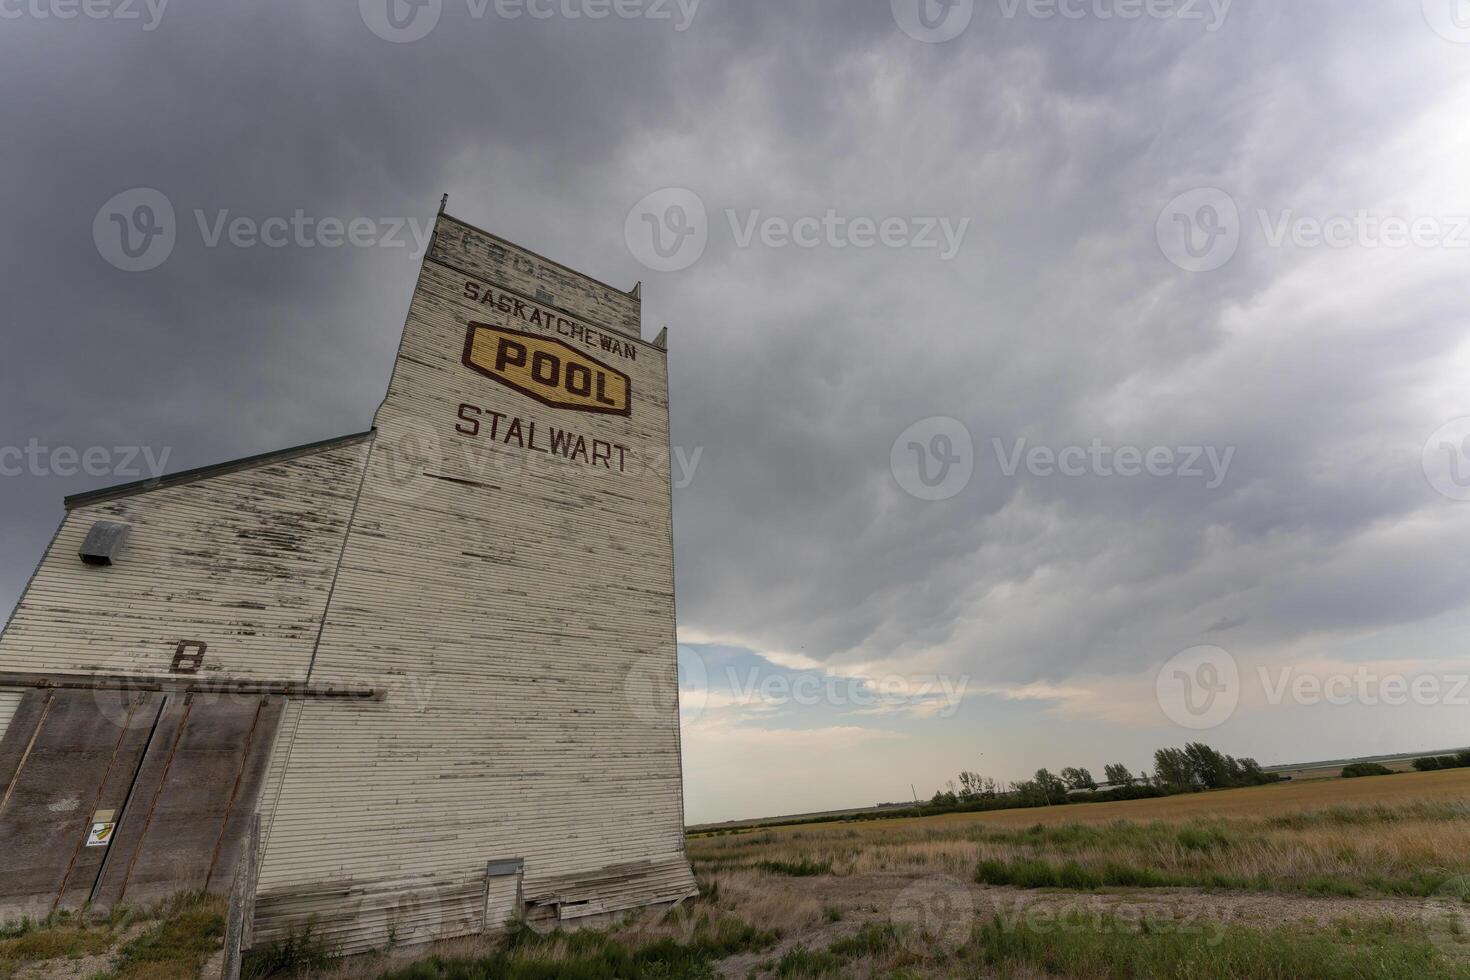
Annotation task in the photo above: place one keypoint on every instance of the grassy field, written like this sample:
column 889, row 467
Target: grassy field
column 1279, row 798
column 1322, row 879
column 1337, row 838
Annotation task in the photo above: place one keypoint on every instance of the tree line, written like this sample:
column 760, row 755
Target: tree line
column 1429, row 763
column 1195, row 767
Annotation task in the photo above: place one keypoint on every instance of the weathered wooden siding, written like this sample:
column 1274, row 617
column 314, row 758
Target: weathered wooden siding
column 9, row 701
column 491, row 259
column 242, row 561
column 516, row 607
column 519, row 609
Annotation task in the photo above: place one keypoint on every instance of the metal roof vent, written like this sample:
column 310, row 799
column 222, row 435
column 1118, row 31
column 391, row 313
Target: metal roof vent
column 104, row 543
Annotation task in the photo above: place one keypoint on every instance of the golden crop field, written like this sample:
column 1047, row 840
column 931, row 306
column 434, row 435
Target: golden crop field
column 1269, row 800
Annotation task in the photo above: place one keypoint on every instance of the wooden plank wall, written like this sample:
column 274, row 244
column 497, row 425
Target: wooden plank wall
column 9, row 701
column 491, row 259
column 242, row 561
column 518, row 608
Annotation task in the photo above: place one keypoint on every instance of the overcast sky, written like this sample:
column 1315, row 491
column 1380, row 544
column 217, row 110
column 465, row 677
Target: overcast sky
column 1153, row 351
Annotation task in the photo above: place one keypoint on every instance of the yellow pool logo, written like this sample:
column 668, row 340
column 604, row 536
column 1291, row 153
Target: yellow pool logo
column 549, row 370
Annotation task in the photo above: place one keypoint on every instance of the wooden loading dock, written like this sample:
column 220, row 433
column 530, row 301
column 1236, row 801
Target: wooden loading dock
column 404, row 684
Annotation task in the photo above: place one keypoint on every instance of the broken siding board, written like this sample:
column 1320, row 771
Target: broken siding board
column 364, row 913
column 242, row 561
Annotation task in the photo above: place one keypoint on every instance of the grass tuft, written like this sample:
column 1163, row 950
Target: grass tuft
column 190, row 929
column 295, row 953
column 796, row 869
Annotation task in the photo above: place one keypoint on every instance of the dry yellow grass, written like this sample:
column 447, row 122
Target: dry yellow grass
column 1389, row 836
column 1254, row 801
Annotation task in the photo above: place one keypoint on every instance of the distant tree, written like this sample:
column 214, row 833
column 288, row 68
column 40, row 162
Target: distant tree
column 1052, row 788
column 970, row 786
column 1463, row 758
column 1209, row 766
column 1173, row 769
column 990, row 789
column 1359, row 769
column 1252, row 774
column 1076, row 778
column 1117, row 774
column 1426, row 764
column 1028, row 793
column 1449, row 762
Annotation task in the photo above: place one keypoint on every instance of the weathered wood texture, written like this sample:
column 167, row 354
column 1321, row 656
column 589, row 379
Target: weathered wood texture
column 242, row 561
column 9, row 701
column 504, row 901
column 179, row 778
column 521, row 609
column 65, row 756
column 193, row 802
column 489, row 258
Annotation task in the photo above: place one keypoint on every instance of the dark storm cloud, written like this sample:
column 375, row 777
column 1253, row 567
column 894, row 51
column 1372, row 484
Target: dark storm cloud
column 1059, row 322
